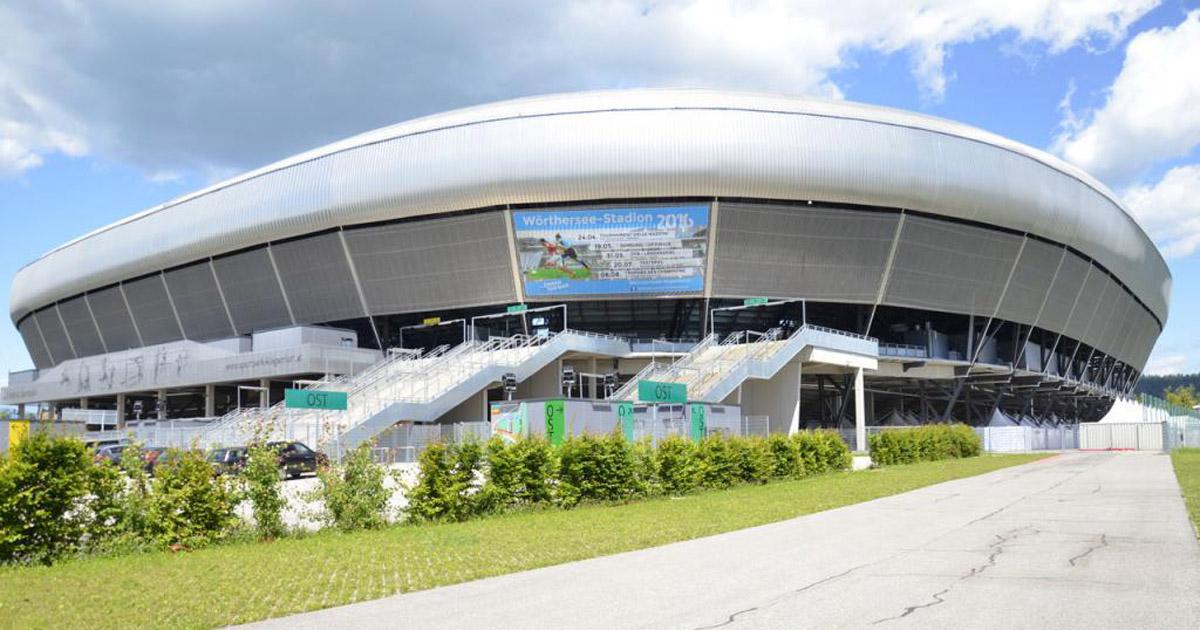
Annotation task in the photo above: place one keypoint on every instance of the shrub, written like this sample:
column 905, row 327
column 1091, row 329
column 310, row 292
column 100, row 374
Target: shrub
column 109, row 490
column 445, row 489
column 645, row 468
column 188, row 505
column 262, row 482
column 757, row 460
column 354, row 493
column 595, row 468
column 922, row 444
column 43, row 487
column 676, row 464
column 785, row 457
column 519, row 474
column 822, row 451
column 719, row 462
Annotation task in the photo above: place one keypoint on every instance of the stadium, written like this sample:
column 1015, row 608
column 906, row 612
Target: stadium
column 807, row 262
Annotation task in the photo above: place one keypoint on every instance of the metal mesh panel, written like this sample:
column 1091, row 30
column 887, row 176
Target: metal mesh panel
column 441, row 263
column 252, row 291
column 317, row 279
column 1030, row 281
column 1149, row 335
column 1109, row 316
column 80, row 327
column 152, row 310
column 1086, row 306
column 1126, row 332
column 113, row 319
column 790, row 251
column 1066, row 287
column 56, row 338
column 950, row 267
column 194, row 291
column 33, row 343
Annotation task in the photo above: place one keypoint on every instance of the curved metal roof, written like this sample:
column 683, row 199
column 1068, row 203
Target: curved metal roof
column 621, row 144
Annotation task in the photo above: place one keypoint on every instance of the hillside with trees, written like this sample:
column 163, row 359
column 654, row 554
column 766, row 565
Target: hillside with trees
column 1158, row 385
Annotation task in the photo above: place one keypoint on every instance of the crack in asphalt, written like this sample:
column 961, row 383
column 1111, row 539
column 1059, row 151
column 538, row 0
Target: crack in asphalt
column 996, row 549
column 1102, row 543
column 734, row 616
column 937, row 599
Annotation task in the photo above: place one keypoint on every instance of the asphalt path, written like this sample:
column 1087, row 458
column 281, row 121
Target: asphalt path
column 1081, row 540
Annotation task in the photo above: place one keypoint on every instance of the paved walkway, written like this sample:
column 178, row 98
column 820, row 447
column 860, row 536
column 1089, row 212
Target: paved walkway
column 1082, row 540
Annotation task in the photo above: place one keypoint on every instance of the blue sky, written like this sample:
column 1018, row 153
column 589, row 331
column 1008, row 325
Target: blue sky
column 112, row 107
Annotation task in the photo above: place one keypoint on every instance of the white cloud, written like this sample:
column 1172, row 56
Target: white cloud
column 209, row 86
column 1159, row 365
column 1170, row 210
column 1152, row 112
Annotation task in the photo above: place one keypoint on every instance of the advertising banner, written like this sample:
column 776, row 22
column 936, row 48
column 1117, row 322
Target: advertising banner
column 612, row 251
column 509, row 420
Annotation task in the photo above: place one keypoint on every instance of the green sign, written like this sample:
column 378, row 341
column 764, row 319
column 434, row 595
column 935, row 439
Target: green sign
column 556, row 418
column 699, row 422
column 625, row 417
column 656, row 391
column 431, row 321
column 314, row 399
column 518, row 308
column 755, row 301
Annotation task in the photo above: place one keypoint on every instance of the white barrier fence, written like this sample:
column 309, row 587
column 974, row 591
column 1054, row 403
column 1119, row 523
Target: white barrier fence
column 1018, row 439
column 1124, row 436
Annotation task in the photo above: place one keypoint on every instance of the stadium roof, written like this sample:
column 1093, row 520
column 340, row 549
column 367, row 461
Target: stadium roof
column 622, row 145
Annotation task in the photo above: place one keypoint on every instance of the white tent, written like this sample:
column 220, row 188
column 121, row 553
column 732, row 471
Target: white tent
column 999, row 419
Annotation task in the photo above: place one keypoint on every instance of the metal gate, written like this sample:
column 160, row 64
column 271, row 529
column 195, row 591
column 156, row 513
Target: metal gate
column 1121, row 436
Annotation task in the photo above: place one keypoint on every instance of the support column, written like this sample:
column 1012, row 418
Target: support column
column 120, row 411
column 794, row 425
column 860, row 414
column 161, row 404
column 210, row 401
column 21, row 411
column 83, row 404
column 592, row 392
column 264, row 395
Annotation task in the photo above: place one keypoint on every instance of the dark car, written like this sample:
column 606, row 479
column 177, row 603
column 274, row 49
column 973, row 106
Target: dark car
column 228, row 460
column 110, row 453
column 295, row 458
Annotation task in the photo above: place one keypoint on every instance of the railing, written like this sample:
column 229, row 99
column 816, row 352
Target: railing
column 903, row 350
column 101, row 417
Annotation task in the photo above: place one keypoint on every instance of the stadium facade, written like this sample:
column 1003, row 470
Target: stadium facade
column 966, row 272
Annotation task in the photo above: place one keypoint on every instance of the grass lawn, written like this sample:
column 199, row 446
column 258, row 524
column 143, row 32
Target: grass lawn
column 244, row 582
column 1187, row 470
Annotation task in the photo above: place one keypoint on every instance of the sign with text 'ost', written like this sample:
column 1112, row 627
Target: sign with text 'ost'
column 314, row 399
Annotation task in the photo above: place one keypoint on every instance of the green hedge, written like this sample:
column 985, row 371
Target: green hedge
column 924, row 444
column 531, row 473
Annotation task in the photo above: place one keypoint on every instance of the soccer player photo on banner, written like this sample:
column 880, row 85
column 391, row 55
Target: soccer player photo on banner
column 612, row 251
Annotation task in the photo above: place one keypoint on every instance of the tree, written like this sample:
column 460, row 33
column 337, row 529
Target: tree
column 1183, row 396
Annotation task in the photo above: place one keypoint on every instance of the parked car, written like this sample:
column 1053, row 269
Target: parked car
column 295, row 459
column 228, row 460
column 110, row 453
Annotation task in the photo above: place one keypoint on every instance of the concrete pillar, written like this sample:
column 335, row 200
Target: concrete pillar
column 595, row 381
column 794, row 426
column 777, row 398
column 860, row 412
column 21, row 411
column 83, row 404
column 120, row 410
column 161, row 404
column 264, row 398
column 210, row 401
